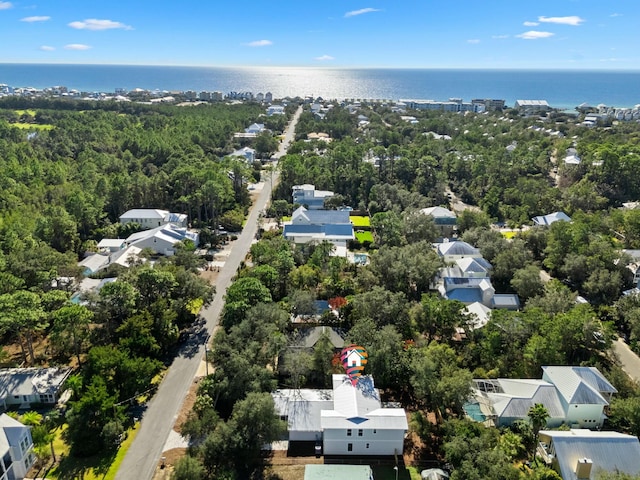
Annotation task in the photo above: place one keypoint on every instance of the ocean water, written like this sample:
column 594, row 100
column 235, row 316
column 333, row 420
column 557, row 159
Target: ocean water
column 562, row 89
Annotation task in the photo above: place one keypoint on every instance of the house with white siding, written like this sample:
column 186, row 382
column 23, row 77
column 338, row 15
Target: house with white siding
column 22, row 387
column 349, row 419
column 16, row 449
column 162, row 240
column 308, row 226
column 153, row 217
column 573, row 396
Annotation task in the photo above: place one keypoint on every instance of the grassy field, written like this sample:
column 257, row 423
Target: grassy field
column 32, row 126
column 97, row 467
column 364, row 237
column 28, row 112
column 359, row 221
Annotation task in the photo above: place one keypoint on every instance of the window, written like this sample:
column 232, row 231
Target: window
column 360, row 432
column 348, row 432
column 367, row 445
column 374, row 430
column 349, row 447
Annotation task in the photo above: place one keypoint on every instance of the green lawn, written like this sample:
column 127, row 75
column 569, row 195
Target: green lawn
column 359, row 221
column 32, row 126
column 388, row 473
column 364, row 237
column 97, row 467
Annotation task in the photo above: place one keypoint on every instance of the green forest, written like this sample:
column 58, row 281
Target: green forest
column 391, row 169
column 69, row 169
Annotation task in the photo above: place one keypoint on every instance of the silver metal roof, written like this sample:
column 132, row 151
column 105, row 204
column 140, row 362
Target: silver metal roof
column 608, row 451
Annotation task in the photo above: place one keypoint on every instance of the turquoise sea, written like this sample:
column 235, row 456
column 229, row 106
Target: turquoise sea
column 562, row 89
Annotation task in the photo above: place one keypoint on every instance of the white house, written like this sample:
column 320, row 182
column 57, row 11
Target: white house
column 452, row 251
column 584, row 393
column 255, row 128
column 153, row 217
column 444, row 219
column 24, row 386
column 308, row 196
column 275, row 110
column 546, row 220
column 246, row 153
column 573, row 396
column 319, row 225
column 110, row 245
column 163, row 239
column 16, row 449
column 532, row 106
column 580, row 454
column 349, row 419
column 358, row 424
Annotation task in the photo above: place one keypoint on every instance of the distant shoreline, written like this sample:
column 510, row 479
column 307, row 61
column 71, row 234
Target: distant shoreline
column 563, row 89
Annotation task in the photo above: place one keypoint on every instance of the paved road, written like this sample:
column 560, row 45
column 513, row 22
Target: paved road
column 629, row 360
column 144, row 454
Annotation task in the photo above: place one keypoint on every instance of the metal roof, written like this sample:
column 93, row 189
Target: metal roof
column 329, row 231
column 552, row 217
column 360, row 405
column 457, row 248
column 152, row 213
column 478, row 265
column 438, row 212
column 579, row 385
column 608, row 451
column 320, row 217
column 302, row 407
column 333, row 472
column 32, row 381
column 308, row 337
column 518, row 399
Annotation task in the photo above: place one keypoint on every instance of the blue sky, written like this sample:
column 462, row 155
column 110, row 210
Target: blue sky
column 581, row 34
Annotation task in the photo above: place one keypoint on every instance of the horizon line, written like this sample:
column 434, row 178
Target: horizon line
column 330, row 67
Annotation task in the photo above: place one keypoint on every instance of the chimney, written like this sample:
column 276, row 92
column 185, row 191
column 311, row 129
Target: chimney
column 583, row 469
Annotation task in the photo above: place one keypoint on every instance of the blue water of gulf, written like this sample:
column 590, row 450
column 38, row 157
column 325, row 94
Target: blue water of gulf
column 562, row 89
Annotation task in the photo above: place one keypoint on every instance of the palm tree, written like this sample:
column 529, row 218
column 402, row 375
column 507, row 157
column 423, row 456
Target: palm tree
column 538, row 416
column 31, row 418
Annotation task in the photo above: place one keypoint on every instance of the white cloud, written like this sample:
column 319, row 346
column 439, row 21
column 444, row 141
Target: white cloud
column 531, row 24
column 499, row 37
column 37, row 18
column 5, row 5
column 47, row 48
column 534, row 35
column 354, row 13
column 259, row 43
column 324, row 58
column 76, row 46
column 572, row 20
column 615, row 15
column 95, row 24
column 473, row 41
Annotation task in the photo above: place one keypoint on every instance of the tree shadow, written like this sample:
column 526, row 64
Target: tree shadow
column 78, row 467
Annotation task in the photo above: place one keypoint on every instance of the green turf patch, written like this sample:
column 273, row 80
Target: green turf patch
column 359, row 221
column 364, row 237
column 32, row 126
